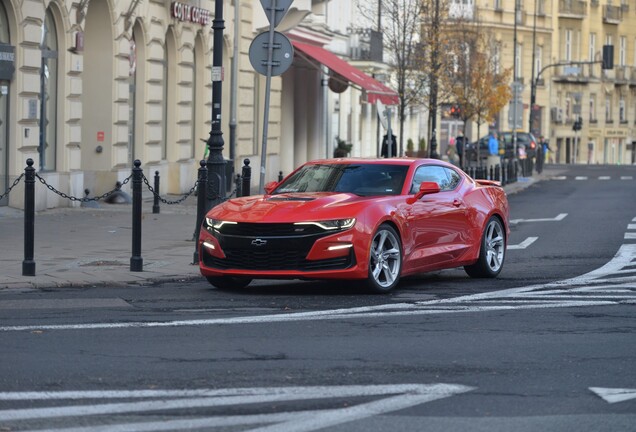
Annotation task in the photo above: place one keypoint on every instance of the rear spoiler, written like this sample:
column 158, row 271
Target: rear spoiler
column 482, row 182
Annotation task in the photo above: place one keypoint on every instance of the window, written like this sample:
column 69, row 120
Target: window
column 48, row 94
column 518, row 57
column 608, row 109
column 622, row 51
column 446, row 178
column 592, row 51
column 538, row 63
column 592, row 108
column 622, row 114
column 568, row 45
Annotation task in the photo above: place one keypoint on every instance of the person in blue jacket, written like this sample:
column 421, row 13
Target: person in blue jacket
column 493, row 144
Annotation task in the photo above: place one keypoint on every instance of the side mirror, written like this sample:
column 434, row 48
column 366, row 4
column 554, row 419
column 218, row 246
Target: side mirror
column 426, row 188
column 270, row 187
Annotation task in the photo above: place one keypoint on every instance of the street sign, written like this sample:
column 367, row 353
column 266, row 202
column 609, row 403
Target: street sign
column 515, row 108
column 281, row 7
column 282, row 53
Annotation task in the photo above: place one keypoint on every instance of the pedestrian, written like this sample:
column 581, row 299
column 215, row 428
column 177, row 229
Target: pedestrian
column 385, row 147
column 459, row 145
column 451, row 152
column 493, row 144
column 540, row 157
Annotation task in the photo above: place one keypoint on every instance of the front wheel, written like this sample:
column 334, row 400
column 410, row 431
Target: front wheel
column 491, row 253
column 228, row 282
column 385, row 260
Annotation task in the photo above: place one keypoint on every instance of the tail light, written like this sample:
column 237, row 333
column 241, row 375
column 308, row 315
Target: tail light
column 533, row 145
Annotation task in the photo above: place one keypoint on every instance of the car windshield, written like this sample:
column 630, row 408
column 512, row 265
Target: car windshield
column 359, row 179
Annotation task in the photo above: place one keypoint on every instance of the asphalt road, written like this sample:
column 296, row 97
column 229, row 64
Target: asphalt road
column 549, row 345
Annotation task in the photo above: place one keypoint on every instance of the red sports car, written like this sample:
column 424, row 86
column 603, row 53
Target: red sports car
column 373, row 220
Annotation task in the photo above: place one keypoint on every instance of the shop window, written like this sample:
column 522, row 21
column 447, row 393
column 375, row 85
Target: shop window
column 48, row 94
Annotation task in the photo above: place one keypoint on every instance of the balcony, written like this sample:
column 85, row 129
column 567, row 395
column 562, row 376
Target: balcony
column 365, row 44
column 572, row 74
column 621, row 74
column 572, row 9
column 612, row 15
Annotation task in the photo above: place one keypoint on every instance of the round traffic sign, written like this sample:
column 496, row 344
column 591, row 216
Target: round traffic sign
column 282, row 53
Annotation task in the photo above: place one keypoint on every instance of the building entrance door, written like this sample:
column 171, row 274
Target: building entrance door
column 4, row 145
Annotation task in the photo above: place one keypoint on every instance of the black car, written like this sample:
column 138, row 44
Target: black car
column 505, row 140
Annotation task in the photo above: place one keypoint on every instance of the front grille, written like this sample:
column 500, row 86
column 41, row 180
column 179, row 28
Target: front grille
column 269, row 229
column 271, row 246
column 274, row 260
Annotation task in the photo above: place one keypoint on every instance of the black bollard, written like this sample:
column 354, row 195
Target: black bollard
column 280, row 176
column 202, row 184
column 155, row 205
column 247, row 178
column 237, row 185
column 136, row 261
column 28, row 265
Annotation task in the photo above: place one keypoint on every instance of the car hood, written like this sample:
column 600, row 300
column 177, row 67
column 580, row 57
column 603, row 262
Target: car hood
column 290, row 207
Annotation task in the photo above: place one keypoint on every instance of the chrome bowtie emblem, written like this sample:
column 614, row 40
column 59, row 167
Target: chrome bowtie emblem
column 259, row 242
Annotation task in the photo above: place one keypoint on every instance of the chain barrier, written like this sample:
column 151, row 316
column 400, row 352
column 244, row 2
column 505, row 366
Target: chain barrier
column 15, row 182
column 85, row 199
column 165, row 201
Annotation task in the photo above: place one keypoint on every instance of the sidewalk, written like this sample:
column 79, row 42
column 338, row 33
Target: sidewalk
column 92, row 246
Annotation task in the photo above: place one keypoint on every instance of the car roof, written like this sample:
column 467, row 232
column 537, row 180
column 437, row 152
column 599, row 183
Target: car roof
column 398, row 161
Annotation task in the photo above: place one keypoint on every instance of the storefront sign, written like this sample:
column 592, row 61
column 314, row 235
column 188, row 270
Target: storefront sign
column 616, row 133
column 7, row 62
column 188, row 13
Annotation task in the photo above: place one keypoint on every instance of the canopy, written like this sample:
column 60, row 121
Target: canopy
column 375, row 90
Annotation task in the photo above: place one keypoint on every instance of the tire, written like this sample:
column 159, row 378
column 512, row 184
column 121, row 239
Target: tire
column 385, row 260
column 228, row 282
column 492, row 251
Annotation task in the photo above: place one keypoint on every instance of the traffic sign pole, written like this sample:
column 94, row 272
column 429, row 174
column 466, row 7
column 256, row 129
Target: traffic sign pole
column 268, row 85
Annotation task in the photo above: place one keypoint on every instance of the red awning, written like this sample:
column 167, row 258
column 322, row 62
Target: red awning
column 375, row 89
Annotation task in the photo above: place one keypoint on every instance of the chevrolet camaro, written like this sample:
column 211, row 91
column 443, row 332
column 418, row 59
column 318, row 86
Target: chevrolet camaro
column 368, row 220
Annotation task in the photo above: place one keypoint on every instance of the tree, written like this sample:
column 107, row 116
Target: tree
column 400, row 21
column 475, row 82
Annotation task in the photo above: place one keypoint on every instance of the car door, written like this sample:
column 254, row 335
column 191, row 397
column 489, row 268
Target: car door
column 437, row 223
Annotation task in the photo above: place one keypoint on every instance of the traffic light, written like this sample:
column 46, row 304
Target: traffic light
column 455, row 111
column 578, row 124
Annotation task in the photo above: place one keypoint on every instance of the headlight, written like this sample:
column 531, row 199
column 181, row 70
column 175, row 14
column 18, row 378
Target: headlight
column 331, row 225
column 216, row 224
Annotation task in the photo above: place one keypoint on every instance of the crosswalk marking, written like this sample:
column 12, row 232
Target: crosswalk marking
column 524, row 244
column 603, row 177
column 614, row 395
column 385, row 399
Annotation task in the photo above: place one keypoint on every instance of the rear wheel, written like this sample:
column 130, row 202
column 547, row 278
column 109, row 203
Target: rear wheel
column 385, row 260
column 228, row 282
column 491, row 253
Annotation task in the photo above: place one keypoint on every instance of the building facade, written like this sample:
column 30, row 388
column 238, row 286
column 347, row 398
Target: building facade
column 87, row 87
column 559, row 51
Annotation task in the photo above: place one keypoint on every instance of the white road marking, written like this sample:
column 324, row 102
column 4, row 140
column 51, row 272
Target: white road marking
column 630, row 236
column 559, row 178
column 604, row 178
column 614, row 395
column 631, row 226
column 391, row 398
column 559, row 217
column 614, row 276
column 524, row 244
column 627, row 178
column 580, row 178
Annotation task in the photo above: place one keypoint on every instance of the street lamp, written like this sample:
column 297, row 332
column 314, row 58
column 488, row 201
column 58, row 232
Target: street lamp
column 216, row 163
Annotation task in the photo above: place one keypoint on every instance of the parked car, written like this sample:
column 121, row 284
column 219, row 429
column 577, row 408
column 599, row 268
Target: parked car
column 525, row 139
column 369, row 220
